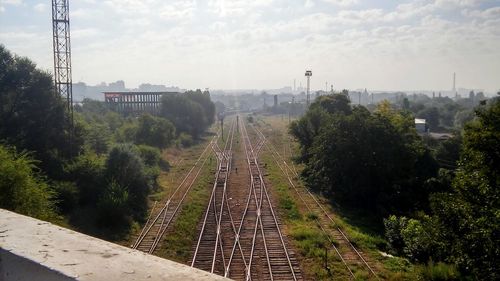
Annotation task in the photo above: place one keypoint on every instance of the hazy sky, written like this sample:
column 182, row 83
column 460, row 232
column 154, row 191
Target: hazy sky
column 380, row 45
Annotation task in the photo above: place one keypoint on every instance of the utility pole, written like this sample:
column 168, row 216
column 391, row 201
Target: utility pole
column 454, row 85
column 221, row 119
column 308, row 76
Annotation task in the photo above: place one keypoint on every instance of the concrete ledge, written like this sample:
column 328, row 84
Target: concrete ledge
column 31, row 249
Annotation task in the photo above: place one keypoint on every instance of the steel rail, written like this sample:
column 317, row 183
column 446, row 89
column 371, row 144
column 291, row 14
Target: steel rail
column 146, row 229
column 274, row 151
column 212, row 202
column 264, row 189
column 258, row 203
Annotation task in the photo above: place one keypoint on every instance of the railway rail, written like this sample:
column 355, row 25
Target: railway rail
column 159, row 220
column 244, row 241
column 349, row 255
column 209, row 252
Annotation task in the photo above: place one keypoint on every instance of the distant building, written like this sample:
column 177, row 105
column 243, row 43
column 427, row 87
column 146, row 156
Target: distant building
column 420, row 125
column 135, row 102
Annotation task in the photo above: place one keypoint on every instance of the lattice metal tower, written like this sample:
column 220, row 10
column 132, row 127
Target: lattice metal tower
column 62, row 52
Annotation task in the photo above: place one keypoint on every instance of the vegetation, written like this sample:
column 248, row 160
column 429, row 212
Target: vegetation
column 22, row 188
column 32, row 118
column 191, row 112
column 369, row 160
column 100, row 178
column 443, row 210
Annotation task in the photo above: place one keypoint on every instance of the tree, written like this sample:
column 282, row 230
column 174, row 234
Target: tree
column 431, row 116
column 203, row 99
column 87, row 172
column 369, row 160
column 32, row 116
column 125, row 167
column 187, row 115
column 336, row 103
column 468, row 217
column 219, row 107
column 154, row 131
column 22, row 188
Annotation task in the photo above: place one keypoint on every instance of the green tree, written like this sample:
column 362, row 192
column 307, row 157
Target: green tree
column 369, row 160
column 125, row 167
column 154, row 131
column 32, row 116
column 22, row 189
column 336, row 103
column 187, row 115
column 468, row 217
column 431, row 116
column 87, row 172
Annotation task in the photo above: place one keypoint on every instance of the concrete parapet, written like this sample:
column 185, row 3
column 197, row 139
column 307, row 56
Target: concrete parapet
column 31, row 249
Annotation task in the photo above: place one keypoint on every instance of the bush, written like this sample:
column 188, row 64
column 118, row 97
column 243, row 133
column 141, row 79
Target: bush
column 416, row 241
column 154, row 131
column 151, row 156
column 124, row 165
column 87, row 171
column 22, row 189
column 393, row 226
column 112, row 206
column 67, row 196
column 437, row 272
column 185, row 140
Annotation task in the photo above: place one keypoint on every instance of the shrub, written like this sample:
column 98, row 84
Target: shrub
column 22, row 188
column 87, row 171
column 112, row 206
column 185, row 140
column 125, row 167
column 438, row 271
column 67, row 196
column 393, row 226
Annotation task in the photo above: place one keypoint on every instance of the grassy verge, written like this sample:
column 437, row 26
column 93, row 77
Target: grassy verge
column 302, row 231
column 180, row 238
column 178, row 242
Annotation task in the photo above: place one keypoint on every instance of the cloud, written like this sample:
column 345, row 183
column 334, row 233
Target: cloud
column 3, row 3
column 342, row 3
column 448, row 4
column 354, row 43
column 11, row 2
column 309, row 4
column 40, row 7
column 179, row 11
column 491, row 13
column 236, row 8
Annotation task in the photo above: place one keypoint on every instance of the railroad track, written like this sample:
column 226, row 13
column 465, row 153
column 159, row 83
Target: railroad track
column 352, row 258
column 244, row 241
column 160, row 219
column 209, row 252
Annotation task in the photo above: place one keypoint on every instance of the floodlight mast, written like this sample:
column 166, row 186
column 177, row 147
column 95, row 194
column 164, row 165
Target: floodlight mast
column 308, row 76
column 62, row 53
